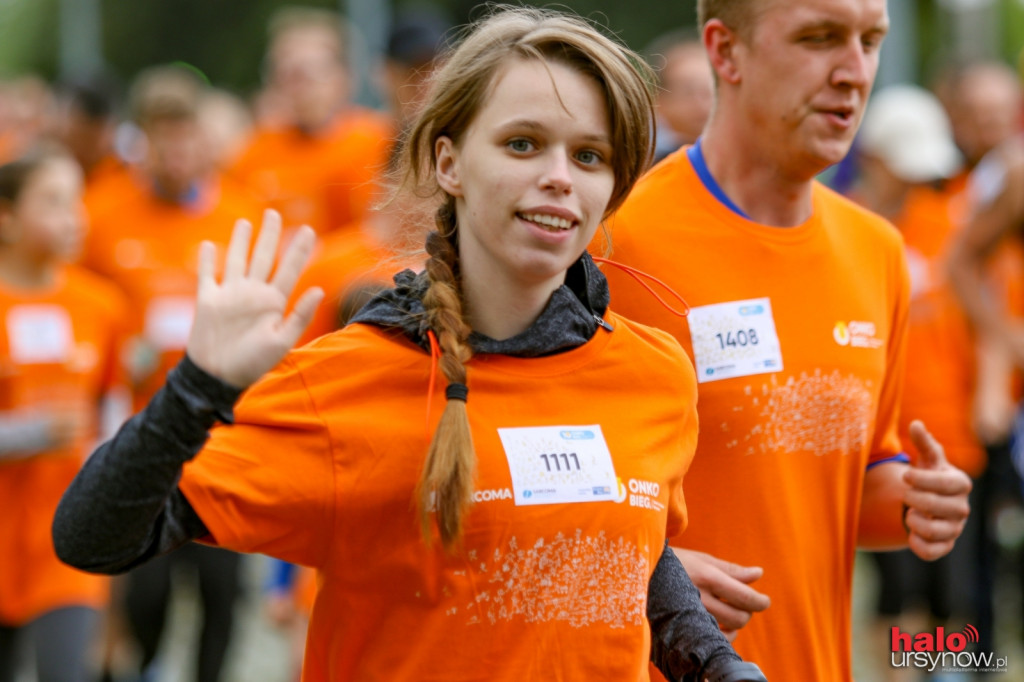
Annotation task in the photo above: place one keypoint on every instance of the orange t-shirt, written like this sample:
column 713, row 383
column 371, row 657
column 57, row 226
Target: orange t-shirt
column 940, row 368
column 551, row 580
column 149, row 247
column 10, row 147
column 110, row 184
column 788, row 427
column 325, row 180
column 349, row 265
column 58, row 346
column 1005, row 268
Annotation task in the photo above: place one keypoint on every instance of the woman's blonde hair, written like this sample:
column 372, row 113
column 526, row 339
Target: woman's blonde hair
column 458, row 91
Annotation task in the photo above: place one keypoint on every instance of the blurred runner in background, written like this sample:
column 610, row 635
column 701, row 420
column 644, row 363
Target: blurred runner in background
column 148, row 243
column 686, row 89
column 61, row 389
column 319, row 166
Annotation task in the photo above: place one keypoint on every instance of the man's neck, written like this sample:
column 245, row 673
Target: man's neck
column 755, row 182
column 315, row 126
column 178, row 193
column 26, row 272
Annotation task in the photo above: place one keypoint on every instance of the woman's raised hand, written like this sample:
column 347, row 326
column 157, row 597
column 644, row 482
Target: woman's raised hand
column 240, row 330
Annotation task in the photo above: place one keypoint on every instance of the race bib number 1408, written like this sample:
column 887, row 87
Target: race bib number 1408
column 734, row 339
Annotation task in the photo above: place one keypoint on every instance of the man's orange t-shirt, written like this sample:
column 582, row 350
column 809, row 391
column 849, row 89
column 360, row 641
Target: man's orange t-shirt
column 325, row 180
column 58, row 347
column 940, row 369
column 800, row 336
column 150, row 247
column 550, row 581
column 110, row 184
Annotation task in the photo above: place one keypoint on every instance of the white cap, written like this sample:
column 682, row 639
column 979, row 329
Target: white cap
column 907, row 128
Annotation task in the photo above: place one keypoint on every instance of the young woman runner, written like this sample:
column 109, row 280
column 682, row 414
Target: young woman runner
column 514, row 531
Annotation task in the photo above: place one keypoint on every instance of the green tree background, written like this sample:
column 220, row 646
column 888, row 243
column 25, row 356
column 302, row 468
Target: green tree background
column 226, row 38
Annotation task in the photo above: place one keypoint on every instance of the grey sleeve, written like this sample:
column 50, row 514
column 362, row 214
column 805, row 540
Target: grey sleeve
column 124, row 507
column 21, row 436
column 686, row 642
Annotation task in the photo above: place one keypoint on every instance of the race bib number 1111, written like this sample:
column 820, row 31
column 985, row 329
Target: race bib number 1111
column 559, row 464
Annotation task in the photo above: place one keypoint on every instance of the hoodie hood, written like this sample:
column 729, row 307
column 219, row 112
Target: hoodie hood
column 570, row 319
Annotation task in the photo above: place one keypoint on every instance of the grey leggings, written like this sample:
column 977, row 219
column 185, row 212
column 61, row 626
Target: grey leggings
column 58, row 640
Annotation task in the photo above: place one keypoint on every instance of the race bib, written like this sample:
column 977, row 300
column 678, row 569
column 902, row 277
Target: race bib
column 39, row 334
column 734, row 339
column 169, row 321
column 559, row 464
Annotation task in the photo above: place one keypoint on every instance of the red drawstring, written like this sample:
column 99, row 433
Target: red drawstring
column 639, row 276
column 435, row 356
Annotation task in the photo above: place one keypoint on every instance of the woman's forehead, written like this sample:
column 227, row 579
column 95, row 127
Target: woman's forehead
column 528, row 88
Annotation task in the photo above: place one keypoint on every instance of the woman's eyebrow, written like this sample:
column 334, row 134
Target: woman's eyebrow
column 521, row 123
column 533, row 125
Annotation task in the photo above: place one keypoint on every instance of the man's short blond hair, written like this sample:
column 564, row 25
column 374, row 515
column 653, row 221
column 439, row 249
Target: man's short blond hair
column 739, row 15
column 165, row 92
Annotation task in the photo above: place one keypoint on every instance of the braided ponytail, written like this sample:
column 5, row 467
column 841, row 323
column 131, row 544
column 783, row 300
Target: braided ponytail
column 446, row 483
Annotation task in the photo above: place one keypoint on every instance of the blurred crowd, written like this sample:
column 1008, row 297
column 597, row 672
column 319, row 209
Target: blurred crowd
column 174, row 160
column 932, row 162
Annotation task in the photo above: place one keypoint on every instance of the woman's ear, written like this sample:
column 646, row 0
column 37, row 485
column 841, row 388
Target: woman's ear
column 447, row 166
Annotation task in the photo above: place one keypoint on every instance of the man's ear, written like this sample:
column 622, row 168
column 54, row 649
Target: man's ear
column 447, row 166
column 720, row 43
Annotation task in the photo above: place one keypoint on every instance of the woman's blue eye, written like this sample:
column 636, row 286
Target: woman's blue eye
column 519, row 145
column 588, row 157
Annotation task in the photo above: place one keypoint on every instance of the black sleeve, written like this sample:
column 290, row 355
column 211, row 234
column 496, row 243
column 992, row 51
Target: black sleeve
column 124, row 507
column 686, row 642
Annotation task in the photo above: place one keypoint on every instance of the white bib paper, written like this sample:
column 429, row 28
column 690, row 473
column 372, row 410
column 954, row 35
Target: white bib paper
column 734, row 339
column 169, row 321
column 559, row 464
column 39, row 334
